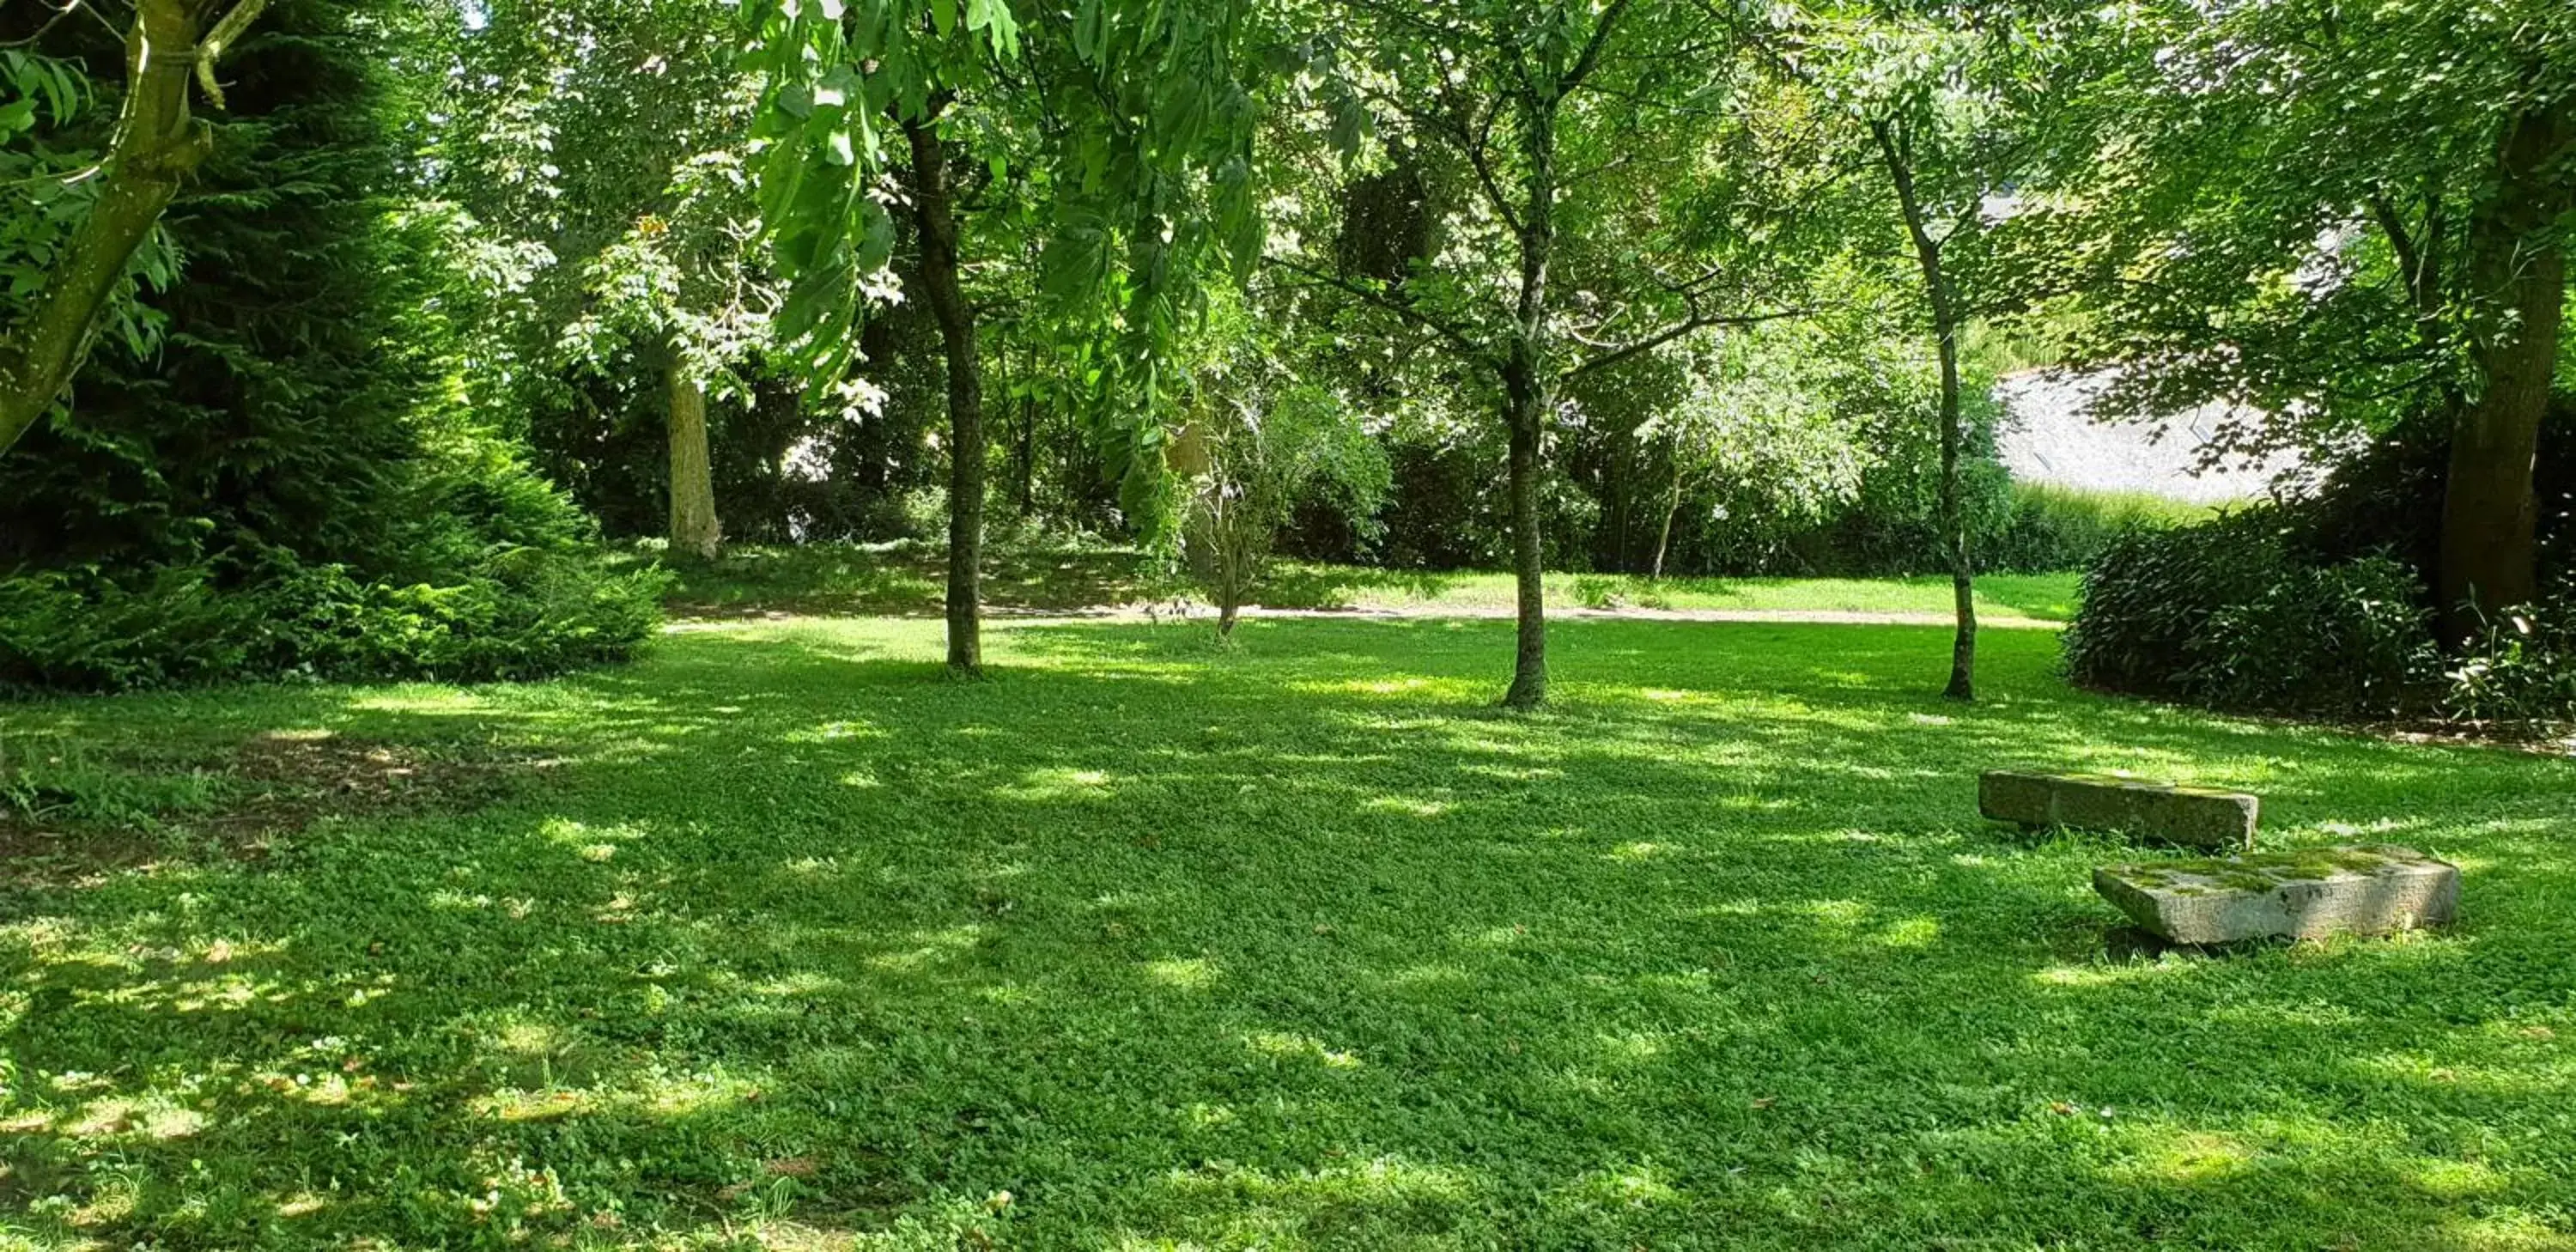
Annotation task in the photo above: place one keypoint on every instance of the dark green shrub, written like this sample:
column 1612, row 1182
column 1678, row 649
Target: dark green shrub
column 2151, row 594
column 2224, row 615
column 2347, row 640
column 2523, row 669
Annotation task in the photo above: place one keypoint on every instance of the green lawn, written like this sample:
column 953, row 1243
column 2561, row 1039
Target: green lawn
column 778, row 939
column 908, row 579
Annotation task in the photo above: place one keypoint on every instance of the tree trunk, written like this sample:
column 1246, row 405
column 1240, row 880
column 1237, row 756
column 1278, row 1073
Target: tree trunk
column 936, row 217
column 1664, row 537
column 1028, row 457
column 1525, row 404
column 694, row 529
column 1945, row 329
column 2518, row 273
column 157, row 145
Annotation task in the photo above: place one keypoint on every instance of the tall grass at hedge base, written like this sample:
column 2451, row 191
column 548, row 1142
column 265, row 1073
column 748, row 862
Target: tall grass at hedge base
column 2047, row 528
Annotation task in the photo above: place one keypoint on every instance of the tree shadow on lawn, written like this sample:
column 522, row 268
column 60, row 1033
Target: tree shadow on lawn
column 1298, row 945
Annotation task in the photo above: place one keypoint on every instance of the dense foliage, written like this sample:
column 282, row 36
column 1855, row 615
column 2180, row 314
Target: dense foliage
column 2324, row 605
column 1612, row 287
column 283, row 482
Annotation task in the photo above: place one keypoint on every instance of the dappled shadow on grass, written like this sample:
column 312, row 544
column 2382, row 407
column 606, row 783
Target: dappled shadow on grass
column 1297, row 944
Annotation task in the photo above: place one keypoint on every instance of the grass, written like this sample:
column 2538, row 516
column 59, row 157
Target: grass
column 907, row 579
column 793, row 943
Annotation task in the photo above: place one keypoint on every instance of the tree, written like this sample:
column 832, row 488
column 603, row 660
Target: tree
column 594, row 149
column 156, row 145
column 1761, row 432
column 1263, row 436
column 1948, row 107
column 2337, row 218
column 1587, row 138
column 1150, row 136
column 291, row 482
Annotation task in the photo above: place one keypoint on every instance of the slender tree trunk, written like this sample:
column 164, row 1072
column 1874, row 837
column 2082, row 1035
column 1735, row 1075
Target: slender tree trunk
column 1945, row 329
column 2519, row 272
column 1028, row 457
column 1525, row 404
column 157, row 145
column 936, row 216
column 1664, row 537
column 694, row 528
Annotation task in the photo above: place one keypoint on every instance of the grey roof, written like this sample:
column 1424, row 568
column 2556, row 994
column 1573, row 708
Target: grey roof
column 2048, row 435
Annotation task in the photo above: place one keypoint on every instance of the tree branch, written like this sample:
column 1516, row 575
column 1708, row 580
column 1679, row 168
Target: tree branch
column 1457, row 338
column 1691, row 325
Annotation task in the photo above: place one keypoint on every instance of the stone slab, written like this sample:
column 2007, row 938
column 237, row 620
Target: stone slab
column 2310, row 893
column 2194, row 817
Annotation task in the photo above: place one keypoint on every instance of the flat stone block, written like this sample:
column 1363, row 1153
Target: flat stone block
column 2365, row 889
column 2195, row 817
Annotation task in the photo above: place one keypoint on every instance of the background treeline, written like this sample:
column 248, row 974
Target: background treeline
column 464, row 293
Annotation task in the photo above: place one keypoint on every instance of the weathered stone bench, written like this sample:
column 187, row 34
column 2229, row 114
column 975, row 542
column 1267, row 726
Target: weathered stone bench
column 2194, row 817
column 2309, row 893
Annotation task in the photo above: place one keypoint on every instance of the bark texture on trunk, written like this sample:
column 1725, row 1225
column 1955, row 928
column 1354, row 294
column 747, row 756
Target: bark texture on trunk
column 157, row 145
column 694, row 528
column 1664, row 536
column 1525, row 404
column 1945, row 328
column 2518, row 272
column 935, row 214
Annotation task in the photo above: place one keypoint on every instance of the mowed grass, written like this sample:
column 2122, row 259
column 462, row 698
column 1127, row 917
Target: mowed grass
column 908, row 579
column 1144, row 944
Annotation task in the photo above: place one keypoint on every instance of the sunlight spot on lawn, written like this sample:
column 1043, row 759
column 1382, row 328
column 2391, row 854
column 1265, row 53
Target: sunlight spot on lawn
column 1928, row 719
column 120, row 1117
column 301, row 1204
column 2196, row 1156
column 1913, row 932
column 936, row 945
column 694, row 1093
column 1632, row 1047
column 231, row 993
column 1188, row 974
column 421, row 699
column 1839, row 915
column 838, row 731
column 1640, row 850
column 1407, row 805
column 2106, row 975
column 2456, row 1180
column 1664, row 695
column 528, row 1038
column 530, row 1106
column 800, row 983
column 1286, row 1046
column 115, row 1203
column 861, row 779
column 1201, row 1115
column 583, row 838
column 1039, row 785
column 1434, row 687
column 1634, row 1187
